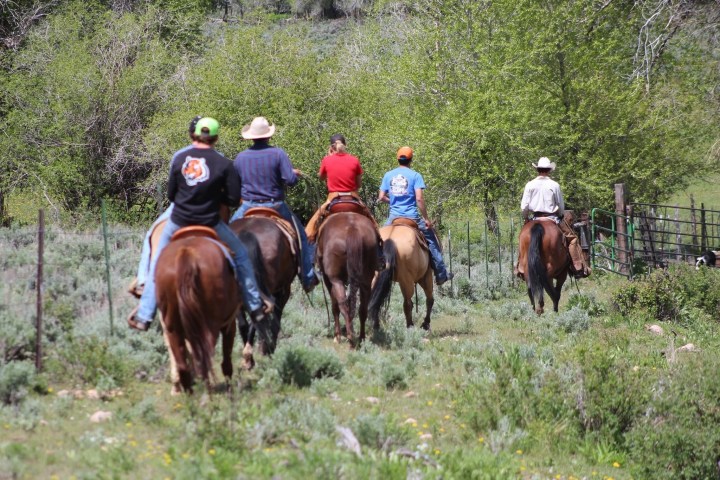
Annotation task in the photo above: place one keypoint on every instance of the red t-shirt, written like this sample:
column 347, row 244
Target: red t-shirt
column 341, row 170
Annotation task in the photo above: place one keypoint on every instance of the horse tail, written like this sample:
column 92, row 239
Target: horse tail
column 189, row 291
column 354, row 262
column 537, row 277
column 380, row 296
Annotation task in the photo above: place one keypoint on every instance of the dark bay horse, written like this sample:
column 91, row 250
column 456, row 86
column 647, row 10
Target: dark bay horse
column 275, row 268
column 408, row 264
column 543, row 257
column 347, row 252
column 198, row 297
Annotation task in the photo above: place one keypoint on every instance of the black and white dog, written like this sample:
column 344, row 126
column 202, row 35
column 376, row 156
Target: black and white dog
column 707, row 258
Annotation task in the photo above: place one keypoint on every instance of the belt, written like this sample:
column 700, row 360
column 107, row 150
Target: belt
column 271, row 200
column 542, row 214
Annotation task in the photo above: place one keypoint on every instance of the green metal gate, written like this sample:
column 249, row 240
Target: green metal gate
column 611, row 249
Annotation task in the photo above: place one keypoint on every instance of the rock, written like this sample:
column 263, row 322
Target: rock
column 63, row 393
column 426, row 436
column 688, row 348
column 373, row 400
column 78, row 394
column 93, row 394
column 656, row 329
column 100, row 416
column 410, row 394
column 348, row 439
column 410, row 421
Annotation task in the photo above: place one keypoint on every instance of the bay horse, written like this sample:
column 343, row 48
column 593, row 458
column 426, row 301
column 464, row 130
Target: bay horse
column 198, row 297
column 408, row 264
column 347, row 253
column 542, row 257
column 275, row 267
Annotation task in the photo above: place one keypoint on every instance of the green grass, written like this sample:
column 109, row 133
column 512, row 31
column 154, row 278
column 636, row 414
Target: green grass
column 704, row 191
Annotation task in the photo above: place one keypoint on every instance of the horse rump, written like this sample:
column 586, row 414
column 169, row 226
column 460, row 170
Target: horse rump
column 537, row 275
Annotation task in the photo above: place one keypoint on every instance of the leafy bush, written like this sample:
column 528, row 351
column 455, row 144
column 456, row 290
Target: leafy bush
column 379, row 431
column 678, row 437
column 667, row 294
column 299, row 365
column 586, row 302
column 574, row 320
column 92, row 360
column 393, row 375
column 17, row 379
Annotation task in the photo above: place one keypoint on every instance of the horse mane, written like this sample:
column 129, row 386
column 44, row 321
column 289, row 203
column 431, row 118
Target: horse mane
column 190, row 312
column 380, row 296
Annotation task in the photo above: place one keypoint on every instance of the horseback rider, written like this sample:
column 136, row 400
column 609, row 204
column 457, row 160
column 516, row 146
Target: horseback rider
column 343, row 175
column 265, row 170
column 200, row 180
column 137, row 285
column 403, row 188
column 543, row 198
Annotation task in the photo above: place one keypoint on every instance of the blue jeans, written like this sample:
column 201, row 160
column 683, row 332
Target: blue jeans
column 436, row 258
column 245, row 272
column 144, row 265
column 308, row 249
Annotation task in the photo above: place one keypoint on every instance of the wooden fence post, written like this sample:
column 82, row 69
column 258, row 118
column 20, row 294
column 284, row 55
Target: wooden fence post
column 621, row 227
column 39, row 290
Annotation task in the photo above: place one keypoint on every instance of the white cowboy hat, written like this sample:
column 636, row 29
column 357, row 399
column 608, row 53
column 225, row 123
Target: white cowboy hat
column 258, row 128
column 544, row 162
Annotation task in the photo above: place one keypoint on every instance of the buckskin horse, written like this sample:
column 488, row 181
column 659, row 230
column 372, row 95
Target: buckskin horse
column 543, row 257
column 408, row 263
column 275, row 266
column 198, row 298
column 347, row 253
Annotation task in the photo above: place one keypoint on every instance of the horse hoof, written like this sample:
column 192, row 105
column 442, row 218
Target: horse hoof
column 248, row 364
column 336, row 339
column 175, row 391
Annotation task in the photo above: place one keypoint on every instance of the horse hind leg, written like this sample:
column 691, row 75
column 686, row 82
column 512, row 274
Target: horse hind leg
column 407, row 292
column 427, row 285
column 179, row 352
column 176, row 388
column 228, row 339
column 247, row 333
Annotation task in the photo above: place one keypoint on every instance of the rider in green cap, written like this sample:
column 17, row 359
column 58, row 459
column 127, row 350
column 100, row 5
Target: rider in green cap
column 200, row 180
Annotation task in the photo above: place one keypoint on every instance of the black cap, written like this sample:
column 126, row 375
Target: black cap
column 337, row 137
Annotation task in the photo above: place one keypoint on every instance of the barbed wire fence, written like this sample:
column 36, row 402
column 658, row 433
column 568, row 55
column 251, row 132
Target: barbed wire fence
column 51, row 272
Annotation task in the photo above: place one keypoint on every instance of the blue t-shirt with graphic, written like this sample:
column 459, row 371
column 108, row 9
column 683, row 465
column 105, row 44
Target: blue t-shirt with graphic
column 400, row 185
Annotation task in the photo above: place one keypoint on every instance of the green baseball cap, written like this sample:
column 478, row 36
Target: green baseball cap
column 211, row 124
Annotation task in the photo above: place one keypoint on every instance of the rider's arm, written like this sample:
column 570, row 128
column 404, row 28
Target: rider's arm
column 383, row 197
column 288, row 174
column 561, row 203
column 525, row 202
column 421, row 206
column 358, row 180
column 172, row 186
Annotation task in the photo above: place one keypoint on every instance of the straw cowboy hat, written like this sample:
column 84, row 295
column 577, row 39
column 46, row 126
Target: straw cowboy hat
column 258, row 128
column 545, row 162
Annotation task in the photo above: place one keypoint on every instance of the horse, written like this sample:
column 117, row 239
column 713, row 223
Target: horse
column 347, row 253
column 275, row 267
column 543, row 257
column 408, row 263
column 198, row 297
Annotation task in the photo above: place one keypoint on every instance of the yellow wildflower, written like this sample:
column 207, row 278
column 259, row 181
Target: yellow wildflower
column 211, row 451
column 519, row 452
column 616, row 464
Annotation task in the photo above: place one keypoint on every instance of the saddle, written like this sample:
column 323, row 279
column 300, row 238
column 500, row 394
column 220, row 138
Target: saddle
column 285, row 227
column 195, row 231
column 210, row 234
column 410, row 223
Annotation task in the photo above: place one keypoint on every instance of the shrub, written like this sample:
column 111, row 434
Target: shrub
column 669, row 294
column 17, row 379
column 574, row 320
column 93, row 361
column 393, row 375
column 299, row 365
column 678, row 436
column 379, row 431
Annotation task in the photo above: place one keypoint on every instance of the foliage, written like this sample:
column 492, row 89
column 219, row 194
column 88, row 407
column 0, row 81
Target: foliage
column 677, row 436
column 672, row 294
column 300, row 365
column 17, row 380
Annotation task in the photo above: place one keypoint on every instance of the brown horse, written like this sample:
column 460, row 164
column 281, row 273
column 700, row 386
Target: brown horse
column 408, row 264
column 198, row 298
column 275, row 268
column 543, row 257
column 348, row 257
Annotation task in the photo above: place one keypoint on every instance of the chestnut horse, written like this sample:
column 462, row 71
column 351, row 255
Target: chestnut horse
column 543, row 257
column 408, row 264
column 275, row 268
column 198, row 297
column 347, row 253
